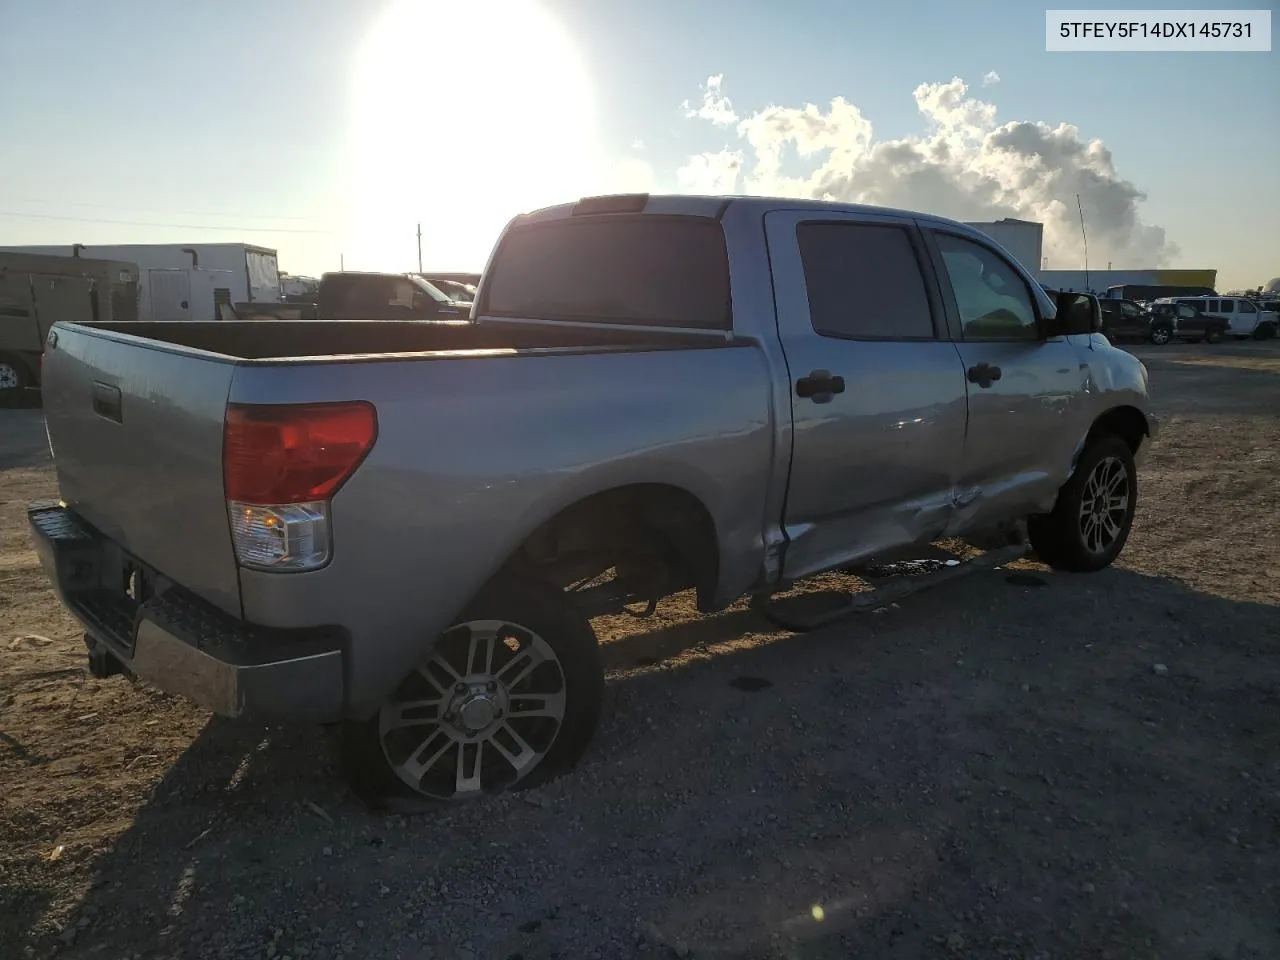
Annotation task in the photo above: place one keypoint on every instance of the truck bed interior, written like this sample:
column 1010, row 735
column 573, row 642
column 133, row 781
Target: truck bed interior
column 271, row 339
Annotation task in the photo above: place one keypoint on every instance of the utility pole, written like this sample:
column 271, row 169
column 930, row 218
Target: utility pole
column 342, row 262
column 419, row 247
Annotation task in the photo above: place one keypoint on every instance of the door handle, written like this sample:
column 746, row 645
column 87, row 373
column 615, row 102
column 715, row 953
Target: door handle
column 819, row 386
column 106, row 401
column 984, row 374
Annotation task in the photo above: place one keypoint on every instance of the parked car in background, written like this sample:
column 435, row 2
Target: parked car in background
column 656, row 394
column 1244, row 316
column 1127, row 320
column 354, row 295
column 459, row 291
column 1183, row 321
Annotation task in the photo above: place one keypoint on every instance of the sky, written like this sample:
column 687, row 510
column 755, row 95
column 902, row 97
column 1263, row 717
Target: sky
column 330, row 129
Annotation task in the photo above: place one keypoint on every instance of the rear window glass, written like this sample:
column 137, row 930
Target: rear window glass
column 653, row 270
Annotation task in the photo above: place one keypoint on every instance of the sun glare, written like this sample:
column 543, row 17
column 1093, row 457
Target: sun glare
column 463, row 113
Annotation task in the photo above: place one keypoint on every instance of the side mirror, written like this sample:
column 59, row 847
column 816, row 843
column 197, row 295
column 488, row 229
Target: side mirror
column 1077, row 313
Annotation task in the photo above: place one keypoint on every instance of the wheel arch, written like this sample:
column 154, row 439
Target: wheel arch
column 1124, row 421
column 663, row 521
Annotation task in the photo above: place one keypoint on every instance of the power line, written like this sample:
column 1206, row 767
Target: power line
column 181, row 226
column 184, row 213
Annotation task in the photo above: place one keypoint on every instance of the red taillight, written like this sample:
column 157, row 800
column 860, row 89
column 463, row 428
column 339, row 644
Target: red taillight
column 293, row 453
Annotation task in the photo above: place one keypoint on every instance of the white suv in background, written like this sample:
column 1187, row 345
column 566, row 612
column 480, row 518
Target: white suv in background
column 1245, row 318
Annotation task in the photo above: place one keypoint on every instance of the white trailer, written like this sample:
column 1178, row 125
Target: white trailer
column 187, row 294
column 251, row 272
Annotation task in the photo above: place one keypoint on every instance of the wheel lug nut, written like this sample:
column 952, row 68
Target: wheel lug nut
column 491, row 686
column 460, row 688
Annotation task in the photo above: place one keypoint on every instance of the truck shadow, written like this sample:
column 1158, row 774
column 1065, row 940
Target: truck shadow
column 993, row 769
column 23, row 441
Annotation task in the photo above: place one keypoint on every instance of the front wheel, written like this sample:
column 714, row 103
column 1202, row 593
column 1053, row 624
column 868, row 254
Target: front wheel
column 508, row 698
column 1161, row 335
column 1212, row 335
column 1093, row 515
column 1264, row 331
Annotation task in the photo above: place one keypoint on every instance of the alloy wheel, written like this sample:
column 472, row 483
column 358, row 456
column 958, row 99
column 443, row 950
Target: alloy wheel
column 478, row 715
column 9, row 379
column 1104, row 502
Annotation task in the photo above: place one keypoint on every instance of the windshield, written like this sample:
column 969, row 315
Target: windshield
column 430, row 290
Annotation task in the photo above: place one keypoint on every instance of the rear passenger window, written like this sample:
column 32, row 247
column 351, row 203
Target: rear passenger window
column 1247, row 307
column 1228, row 306
column 864, row 282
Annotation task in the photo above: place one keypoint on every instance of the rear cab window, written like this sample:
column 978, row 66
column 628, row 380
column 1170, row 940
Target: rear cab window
column 644, row 269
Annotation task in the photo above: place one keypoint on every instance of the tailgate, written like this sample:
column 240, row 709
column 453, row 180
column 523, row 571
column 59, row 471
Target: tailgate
column 136, row 431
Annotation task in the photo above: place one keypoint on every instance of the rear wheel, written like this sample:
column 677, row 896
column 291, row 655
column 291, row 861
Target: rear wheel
column 14, row 377
column 1264, row 331
column 1212, row 335
column 1093, row 515
column 508, row 698
column 1161, row 335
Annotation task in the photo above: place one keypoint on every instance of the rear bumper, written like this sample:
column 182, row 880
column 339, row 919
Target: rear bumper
column 164, row 634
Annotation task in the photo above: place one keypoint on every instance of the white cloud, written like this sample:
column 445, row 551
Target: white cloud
column 964, row 165
column 629, row 175
column 637, row 144
column 990, row 78
column 714, row 107
column 710, row 172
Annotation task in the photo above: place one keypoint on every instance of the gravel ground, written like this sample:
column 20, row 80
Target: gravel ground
column 1068, row 767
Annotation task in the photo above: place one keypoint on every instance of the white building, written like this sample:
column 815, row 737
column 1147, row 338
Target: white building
column 1022, row 238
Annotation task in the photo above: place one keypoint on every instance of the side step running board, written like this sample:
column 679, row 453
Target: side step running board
column 889, row 593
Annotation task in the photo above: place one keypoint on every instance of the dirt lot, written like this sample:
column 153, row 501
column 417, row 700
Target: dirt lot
column 992, row 770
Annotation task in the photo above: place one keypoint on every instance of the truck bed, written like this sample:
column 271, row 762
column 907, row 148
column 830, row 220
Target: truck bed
column 282, row 339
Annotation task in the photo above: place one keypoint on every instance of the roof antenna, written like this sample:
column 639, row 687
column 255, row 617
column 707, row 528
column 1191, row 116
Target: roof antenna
column 1085, row 237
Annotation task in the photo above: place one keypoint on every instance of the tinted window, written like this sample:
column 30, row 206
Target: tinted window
column 1130, row 310
column 993, row 300
column 1228, row 306
column 1186, row 312
column 1247, row 307
column 665, row 271
column 863, row 281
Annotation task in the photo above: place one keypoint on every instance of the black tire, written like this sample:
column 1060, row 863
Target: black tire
column 1160, row 336
column 539, row 610
column 1264, row 331
column 1212, row 335
column 1059, row 538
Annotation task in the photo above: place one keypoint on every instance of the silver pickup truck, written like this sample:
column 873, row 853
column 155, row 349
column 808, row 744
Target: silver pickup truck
column 406, row 528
